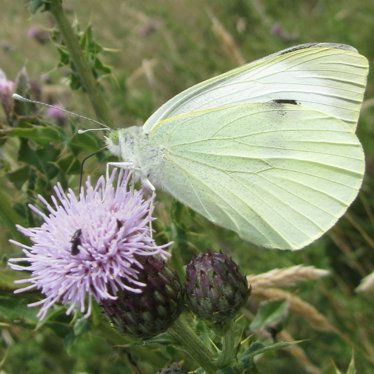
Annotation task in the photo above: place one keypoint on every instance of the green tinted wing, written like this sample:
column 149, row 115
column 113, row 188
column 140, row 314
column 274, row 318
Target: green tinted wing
column 277, row 174
column 326, row 77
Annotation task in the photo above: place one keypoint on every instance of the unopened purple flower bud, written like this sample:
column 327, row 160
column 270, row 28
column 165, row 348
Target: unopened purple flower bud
column 279, row 31
column 152, row 311
column 215, row 287
column 39, row 34
column 46, row 78
column 57, row 114
column 88, row 247
column 276, row 29
column 149, row 27
column 6, row 91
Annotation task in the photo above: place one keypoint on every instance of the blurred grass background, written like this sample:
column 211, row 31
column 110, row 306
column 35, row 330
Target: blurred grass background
column 157, row 49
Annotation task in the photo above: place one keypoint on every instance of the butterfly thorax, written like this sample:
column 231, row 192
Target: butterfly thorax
column 133, row 147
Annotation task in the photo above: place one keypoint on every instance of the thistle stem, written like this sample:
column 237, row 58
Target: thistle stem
column 191, row 343
column 228, row 348
column 83, row 68
column 117, row 338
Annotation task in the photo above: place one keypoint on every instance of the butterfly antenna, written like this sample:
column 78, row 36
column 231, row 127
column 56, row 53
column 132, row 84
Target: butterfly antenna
column 82, row 166
column 104, row 126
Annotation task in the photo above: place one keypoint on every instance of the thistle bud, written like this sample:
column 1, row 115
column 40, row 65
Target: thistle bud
column 38, row 34
column 23, row 87
column 6, row 91
column 152, row 311
column 215, row 288
column 57, row 114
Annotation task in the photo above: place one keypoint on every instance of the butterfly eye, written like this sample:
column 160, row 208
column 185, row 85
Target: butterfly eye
column 114, row 137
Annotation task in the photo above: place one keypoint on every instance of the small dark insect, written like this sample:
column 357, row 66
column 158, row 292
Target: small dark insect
column 274, row 331
column 286, row 101
column 75, row 242
column 119, row 224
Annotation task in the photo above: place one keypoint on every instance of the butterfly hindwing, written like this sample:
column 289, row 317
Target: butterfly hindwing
column 278, row 174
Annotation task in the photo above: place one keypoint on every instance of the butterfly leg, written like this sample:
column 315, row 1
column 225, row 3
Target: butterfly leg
column 151, row 208
column 121, row 165
column 146, row 183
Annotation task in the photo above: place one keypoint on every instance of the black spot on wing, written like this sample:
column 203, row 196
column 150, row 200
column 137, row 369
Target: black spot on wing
column 282, row 105
column 285, row 101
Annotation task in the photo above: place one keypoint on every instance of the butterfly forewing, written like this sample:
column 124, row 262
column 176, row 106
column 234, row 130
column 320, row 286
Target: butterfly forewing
column 327, row 77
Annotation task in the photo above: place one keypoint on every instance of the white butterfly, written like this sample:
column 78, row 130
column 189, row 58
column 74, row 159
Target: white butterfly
column 268, row 149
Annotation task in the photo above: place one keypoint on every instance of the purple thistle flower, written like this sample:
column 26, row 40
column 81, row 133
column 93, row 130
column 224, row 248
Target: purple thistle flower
column 6, row 91
column 38, row 33
column 88, row 247
column 57, row 114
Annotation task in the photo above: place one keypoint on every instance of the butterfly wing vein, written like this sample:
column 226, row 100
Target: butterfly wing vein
column 287, row 180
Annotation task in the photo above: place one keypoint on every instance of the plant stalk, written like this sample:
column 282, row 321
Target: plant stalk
column 192, row 345
column 83, row 68
column 228, row 348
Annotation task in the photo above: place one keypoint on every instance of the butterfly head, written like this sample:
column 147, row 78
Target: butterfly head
column 123, row 142
column 113, row 142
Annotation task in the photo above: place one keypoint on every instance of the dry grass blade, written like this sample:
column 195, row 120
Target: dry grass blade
column 298, row 306
column 286, row 277
column 228, row 41
column 338, row 237
column 295, row 350
column 367, row 284
column 359, row 228
column 298, row 353
column 146, row 69
column 369, row 103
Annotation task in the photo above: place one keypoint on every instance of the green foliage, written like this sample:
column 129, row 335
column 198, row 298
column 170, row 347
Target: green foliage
column 247, row 364
column 90, row 48
column 270, row 314
column 43, row 154
column 12, row 308
column 351, row 368
column 38, row 6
